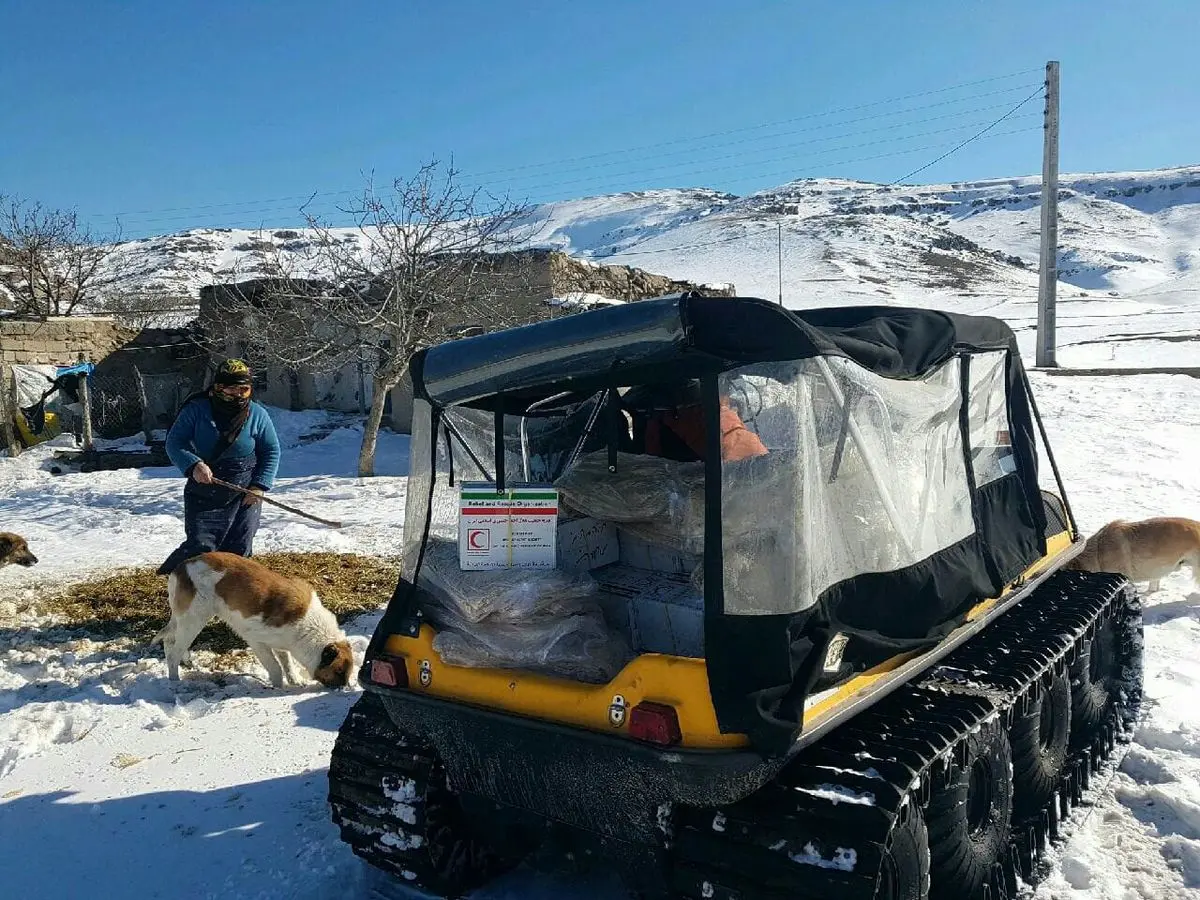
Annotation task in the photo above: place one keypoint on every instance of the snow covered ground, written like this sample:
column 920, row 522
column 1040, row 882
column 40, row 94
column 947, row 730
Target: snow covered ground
column 115, row 784
column 1127, row 447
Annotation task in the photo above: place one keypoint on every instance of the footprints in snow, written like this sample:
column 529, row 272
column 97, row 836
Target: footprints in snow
column 1162, row 791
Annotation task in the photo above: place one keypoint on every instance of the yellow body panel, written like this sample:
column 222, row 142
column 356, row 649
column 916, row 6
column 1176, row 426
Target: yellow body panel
column 677, row 681
column 1055, row 544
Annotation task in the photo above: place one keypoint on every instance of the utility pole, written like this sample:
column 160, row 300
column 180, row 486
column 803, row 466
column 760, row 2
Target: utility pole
column 9, row 438
column 1048, row 280
column 779, row 225
column 85, row 399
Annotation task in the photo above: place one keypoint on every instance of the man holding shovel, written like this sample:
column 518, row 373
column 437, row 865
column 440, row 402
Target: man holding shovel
column 222, row 440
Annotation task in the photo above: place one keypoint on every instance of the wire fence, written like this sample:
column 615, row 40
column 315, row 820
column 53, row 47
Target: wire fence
column 128, row 403
column 116, row 406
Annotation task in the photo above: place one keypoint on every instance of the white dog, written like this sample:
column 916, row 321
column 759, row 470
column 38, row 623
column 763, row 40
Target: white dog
column 278, row 616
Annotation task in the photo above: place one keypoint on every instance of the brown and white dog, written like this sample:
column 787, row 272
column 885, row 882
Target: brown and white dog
column 14, row 551
column 1143, row 551
column 280, row 617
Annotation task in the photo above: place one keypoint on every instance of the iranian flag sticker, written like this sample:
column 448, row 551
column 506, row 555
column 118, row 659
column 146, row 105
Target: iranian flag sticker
column 515, row 528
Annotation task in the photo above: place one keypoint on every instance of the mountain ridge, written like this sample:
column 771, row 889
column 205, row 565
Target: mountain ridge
column 1131, row 238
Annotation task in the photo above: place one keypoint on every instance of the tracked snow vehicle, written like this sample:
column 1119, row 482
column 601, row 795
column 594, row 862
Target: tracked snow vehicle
column 744, row 602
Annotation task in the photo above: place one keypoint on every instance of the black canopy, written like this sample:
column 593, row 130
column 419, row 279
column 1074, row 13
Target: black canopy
column 761, row 667
column 688, row 337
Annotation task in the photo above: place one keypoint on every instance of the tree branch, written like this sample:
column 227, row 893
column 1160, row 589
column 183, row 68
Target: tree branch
column 424, row 261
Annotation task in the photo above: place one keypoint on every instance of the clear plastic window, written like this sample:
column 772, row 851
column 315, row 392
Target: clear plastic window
column 420, row 482
column 862, row 474
column 545, row 619
column 991, row 441
column 465, row 449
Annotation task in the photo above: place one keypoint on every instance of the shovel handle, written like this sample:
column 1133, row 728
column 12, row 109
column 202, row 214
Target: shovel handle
column 266, row 499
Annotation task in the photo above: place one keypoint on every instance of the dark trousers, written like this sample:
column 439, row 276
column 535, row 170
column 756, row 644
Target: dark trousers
column 215, row 518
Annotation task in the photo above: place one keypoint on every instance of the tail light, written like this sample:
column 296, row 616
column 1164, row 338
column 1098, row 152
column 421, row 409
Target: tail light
column 389, row 672
column 655, row 723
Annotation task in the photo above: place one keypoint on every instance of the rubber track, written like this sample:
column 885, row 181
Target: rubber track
column 377, row 783
column 821, row 829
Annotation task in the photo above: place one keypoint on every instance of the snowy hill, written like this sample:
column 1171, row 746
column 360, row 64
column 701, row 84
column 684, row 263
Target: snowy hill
column 1129, row 248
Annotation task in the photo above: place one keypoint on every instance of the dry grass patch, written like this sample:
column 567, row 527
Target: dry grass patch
column 132, row 603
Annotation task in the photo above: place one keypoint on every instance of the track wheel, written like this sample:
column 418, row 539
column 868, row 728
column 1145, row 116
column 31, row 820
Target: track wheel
column 459, row 860
column 390, row 798
column 1094, row 680
column 969, row 817
column 904, row 873
column 1040, row 741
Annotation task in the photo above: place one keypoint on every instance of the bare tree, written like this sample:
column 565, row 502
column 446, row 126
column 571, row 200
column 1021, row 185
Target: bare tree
column 426, row 260
column 51, row 264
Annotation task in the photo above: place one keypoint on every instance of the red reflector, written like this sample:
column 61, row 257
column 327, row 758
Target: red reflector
column 388, row 673
column 655, row 723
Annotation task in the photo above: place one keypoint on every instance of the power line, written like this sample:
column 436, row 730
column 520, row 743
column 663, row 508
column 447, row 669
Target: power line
column 765, row 226
column 740, row 237
column 1038, row 93
column 676, row 141
column 537, row 189
column 789, row 121
column 629, row 149
column 710, row 170
column 541, row 186
column 327, row 194
column 889, row 128
column 766, row 125
column 790, row 173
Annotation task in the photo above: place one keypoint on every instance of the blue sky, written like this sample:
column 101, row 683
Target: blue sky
column 188, row 114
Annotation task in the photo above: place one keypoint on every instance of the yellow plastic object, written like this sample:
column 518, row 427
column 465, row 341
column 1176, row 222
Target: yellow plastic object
column 674, row 680
column 677, row 681
column 52, row 430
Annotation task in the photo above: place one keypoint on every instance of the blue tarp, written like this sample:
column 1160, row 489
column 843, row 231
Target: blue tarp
column 83, row 367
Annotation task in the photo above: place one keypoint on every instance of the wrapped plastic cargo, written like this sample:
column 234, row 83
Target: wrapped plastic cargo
column 659, row 500
column 539, row 619
column 580, row 646
column 502, row 595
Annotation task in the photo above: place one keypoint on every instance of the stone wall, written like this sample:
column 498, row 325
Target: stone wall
column 519, row 284
column 59, row 341
column 620, row 282
column 507, row 289
column 510, row 289
column 167, row 363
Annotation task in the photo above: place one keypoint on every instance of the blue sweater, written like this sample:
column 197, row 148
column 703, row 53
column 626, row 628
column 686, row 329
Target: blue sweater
column 195, row 434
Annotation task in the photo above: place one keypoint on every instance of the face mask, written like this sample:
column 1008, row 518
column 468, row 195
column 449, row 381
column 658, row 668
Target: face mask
column 228, row 406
